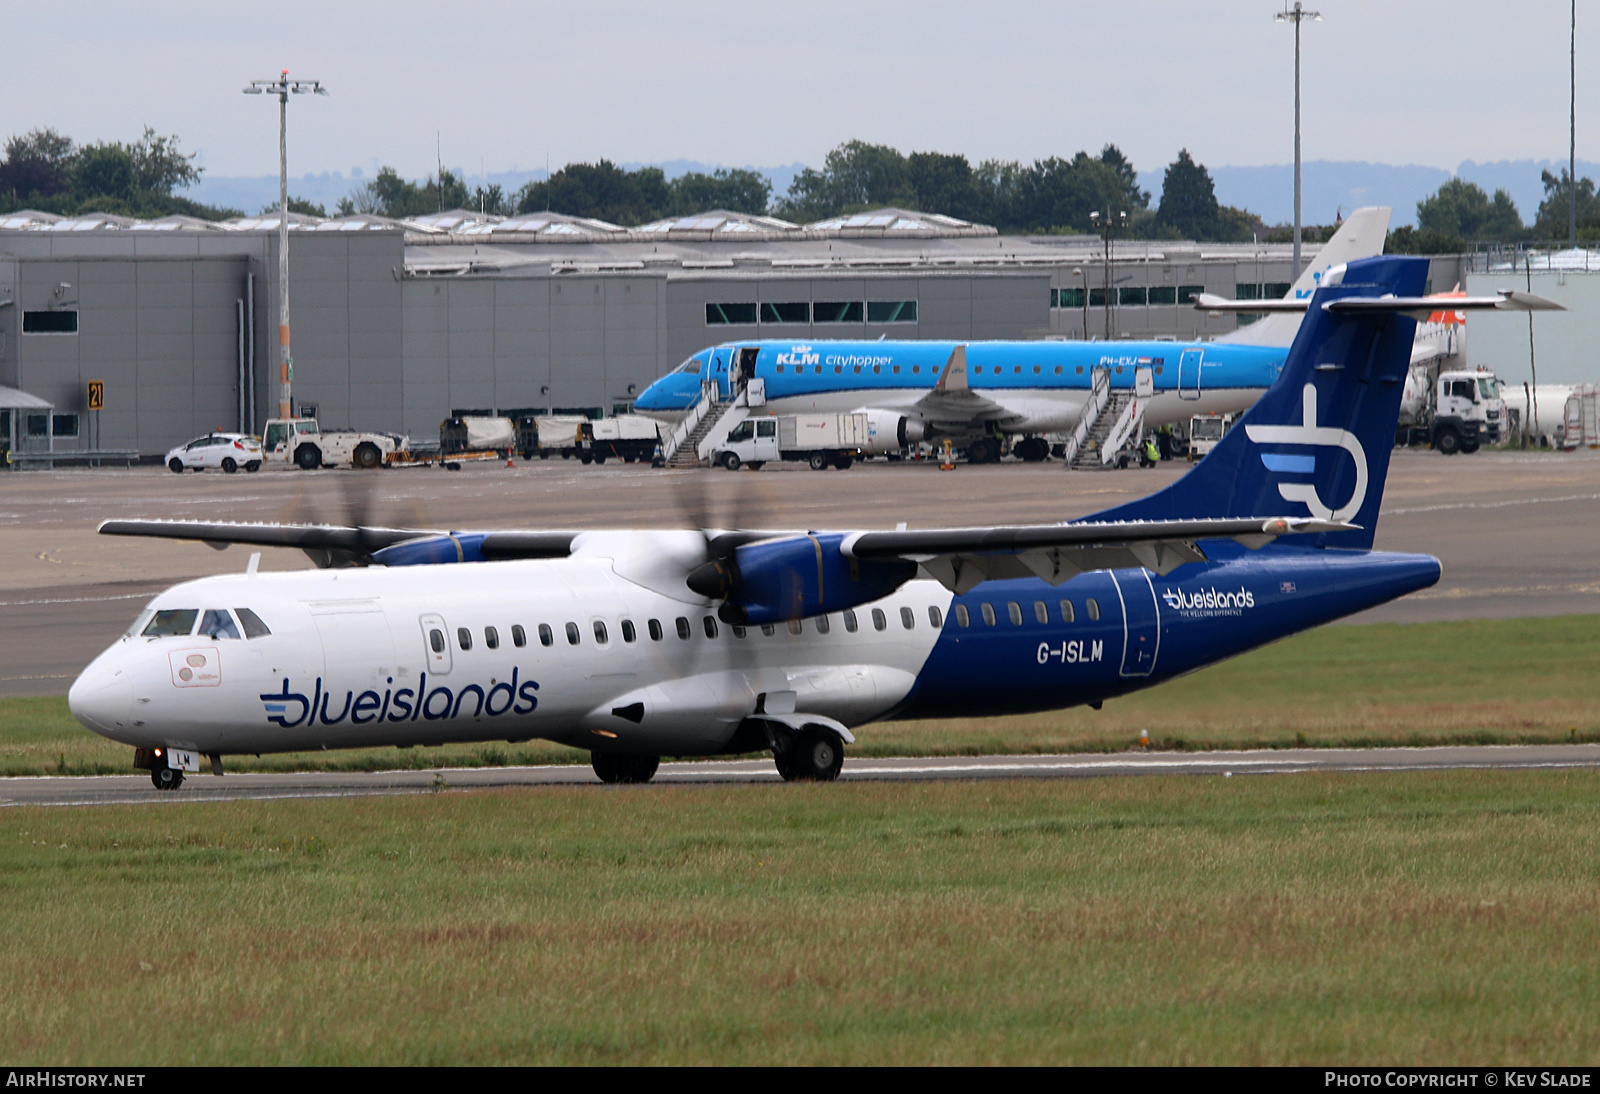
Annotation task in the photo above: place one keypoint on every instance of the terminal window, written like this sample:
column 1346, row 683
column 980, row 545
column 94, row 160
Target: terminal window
column 64, row 425
column 1131, row 296
column 1163, row 294
column 786, row 313
column 1071, row 298
column 723, row 314
column 1187, row 293
column 50, row 322
column 891, row 311
column 846, row 311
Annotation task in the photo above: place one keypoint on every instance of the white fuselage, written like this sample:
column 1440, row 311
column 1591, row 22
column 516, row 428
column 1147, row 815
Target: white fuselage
column 406, row 656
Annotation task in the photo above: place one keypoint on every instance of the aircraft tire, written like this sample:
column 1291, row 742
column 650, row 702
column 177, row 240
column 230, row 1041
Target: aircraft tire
column 229, row 465
column 175, row 465
column 818, row 461
column 1033, row 450
column 166, row 778
column 983, row 451
column 815, row 755
column 612, row 768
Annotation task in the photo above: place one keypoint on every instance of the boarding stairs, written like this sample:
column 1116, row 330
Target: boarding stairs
column 707, row 423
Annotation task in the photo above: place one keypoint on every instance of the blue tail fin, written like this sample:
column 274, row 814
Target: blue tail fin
column 1318, row 442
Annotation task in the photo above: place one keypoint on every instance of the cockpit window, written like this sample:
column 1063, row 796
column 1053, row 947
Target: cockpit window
column 253, row 627
column 690, row 367
column 171, row 621
column 138, row 624
column 217, row 623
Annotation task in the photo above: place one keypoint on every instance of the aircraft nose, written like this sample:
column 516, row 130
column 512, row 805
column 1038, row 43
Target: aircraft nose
column 101, row 698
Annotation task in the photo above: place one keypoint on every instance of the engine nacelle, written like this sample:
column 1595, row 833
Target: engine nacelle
column 433, row 550
column 888, row 431
column 793, row 578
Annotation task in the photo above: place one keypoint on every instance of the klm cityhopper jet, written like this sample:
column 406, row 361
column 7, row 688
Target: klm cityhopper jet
column 910, row 391
column 633, row 645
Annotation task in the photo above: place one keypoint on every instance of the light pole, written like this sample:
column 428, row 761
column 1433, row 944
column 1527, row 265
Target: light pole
column 1297, row 16
column 283, row 87
column 1108, row 222
column 1079, row 271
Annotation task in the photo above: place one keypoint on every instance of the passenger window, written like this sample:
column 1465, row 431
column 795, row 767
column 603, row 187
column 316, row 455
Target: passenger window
column 1066, row 611
column 600, row 635
column 436, row 640
column 794, row 626
column 962, row 618
column 822, row 624
column 572, row 634
column 1014, row 610
column 908, row 618
column 491, row 638
column 251, row 622
column 768, row 629
column 172, row 621
column 934, row 618
column 988, row 614
column 879, row 621
column 711, row 626
column 683, row 628
column 1040, row 612
column 1094, row 608
column 546, row 636
column 738, row 631
column 655, row 630
column 850, row 620
column 464, row 639
column 519, row 637
column 217, row 623
column 628, row 633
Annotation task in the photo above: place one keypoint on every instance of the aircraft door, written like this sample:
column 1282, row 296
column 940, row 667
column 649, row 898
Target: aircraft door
column 719, row 369
column 357, row 650
column 1189, row 374
column 1144, row 382
column 1141, row 621
column 436, row 643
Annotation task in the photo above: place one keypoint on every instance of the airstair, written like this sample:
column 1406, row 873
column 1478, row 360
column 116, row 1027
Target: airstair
column 706, row 423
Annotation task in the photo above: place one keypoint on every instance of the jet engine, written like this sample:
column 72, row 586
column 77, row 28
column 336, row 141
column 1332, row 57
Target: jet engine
column 888, row 431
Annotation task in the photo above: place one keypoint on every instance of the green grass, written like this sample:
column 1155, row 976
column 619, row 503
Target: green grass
column 1434, row 918
column 1483, row 682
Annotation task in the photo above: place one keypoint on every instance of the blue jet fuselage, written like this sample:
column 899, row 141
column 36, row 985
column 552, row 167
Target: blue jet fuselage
column 1032, row 387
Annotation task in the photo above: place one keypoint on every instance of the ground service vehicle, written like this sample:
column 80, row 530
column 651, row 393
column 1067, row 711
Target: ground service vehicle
column 228, row 451
column 1205, row 430
column 1457, row 411
column 821, row 440
column 626, row 437
column 302, row 442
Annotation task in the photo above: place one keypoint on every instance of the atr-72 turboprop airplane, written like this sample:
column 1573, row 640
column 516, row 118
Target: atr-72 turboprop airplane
column 1006, row 389
column 638, row 644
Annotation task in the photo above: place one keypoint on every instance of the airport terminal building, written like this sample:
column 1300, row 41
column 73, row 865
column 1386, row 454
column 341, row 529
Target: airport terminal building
column 397, row 324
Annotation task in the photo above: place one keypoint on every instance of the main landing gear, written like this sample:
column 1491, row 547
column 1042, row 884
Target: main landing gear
column 812, row 754
column 613, row 767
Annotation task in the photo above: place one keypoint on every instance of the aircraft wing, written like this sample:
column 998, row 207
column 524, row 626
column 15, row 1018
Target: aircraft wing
column 336, row 545
column 962, row 558
column 1418, row 307
column 953, row 400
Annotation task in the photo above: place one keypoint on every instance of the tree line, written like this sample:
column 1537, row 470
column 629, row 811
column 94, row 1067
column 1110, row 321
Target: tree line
column 46, row 170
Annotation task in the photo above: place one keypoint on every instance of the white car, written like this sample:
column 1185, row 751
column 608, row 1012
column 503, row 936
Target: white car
column 229, row 451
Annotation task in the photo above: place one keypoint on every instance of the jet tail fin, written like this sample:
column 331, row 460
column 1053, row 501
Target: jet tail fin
column 1360, row 236
column 1320, row 437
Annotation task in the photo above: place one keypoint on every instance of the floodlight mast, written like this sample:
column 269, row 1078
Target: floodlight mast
column 1297, row 15
column 283, row 87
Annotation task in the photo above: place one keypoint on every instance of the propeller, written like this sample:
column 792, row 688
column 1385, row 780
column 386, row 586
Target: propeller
column 348, row 502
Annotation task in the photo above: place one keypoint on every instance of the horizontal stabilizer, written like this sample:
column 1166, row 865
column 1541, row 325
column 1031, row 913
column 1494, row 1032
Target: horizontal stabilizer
column 1417, row 307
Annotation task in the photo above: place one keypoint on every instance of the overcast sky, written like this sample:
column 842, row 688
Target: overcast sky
column 509, row 85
